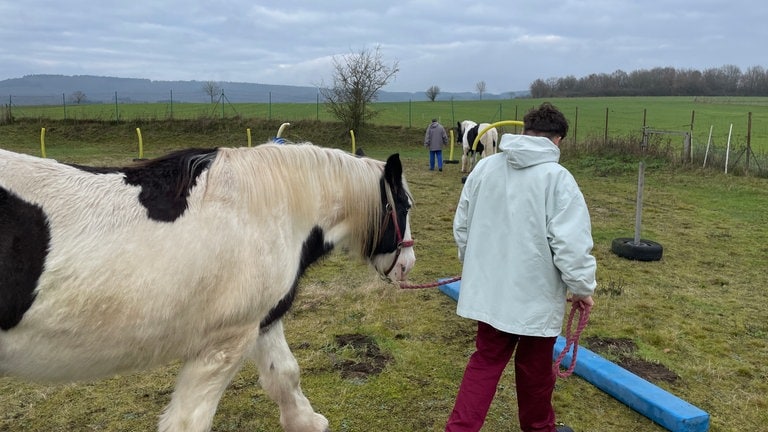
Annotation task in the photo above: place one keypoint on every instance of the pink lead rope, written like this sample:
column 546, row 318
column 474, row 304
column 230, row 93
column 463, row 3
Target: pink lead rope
column 572, row 338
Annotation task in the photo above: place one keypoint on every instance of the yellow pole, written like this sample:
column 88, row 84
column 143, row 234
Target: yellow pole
column 141, row 144
column 452, row 142
column 248, row 132
column 42, row 141
column 352, row 133
column 493, row 125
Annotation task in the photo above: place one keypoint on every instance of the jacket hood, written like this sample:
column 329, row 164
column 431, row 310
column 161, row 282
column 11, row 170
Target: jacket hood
column 523, row 151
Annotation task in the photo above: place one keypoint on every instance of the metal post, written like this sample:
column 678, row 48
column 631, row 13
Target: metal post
column 639, row 204
column 749, row 138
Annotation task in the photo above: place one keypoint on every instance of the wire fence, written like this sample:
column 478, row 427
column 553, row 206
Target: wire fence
column 721, row 131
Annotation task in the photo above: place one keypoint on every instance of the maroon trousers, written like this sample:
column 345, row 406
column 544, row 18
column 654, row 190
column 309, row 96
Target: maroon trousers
column 534, row 379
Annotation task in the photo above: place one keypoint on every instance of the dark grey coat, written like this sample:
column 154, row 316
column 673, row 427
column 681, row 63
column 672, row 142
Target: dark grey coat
column 435, row 138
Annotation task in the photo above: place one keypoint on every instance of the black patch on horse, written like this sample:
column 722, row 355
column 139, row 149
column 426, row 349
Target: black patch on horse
column 24, row 241
column 165, row 182
column 471, row 137
column 314, row 248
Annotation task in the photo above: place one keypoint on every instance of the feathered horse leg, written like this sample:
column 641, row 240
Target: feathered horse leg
column 279, row 377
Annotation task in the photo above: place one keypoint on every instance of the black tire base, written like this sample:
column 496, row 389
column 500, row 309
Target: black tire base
column 643, row 250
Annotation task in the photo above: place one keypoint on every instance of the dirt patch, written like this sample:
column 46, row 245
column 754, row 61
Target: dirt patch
column 624, row 349
column 359, row 356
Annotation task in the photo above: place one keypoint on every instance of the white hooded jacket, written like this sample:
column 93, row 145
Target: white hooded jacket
column 524, row 235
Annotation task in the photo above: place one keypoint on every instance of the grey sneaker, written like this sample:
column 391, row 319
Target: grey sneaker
column 563, row 428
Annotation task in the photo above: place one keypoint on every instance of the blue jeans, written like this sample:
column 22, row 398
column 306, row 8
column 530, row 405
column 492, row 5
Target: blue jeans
column 435, row 154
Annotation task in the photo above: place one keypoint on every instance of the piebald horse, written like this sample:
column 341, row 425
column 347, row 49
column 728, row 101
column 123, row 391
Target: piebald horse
column 467, row 131
column 195, row 256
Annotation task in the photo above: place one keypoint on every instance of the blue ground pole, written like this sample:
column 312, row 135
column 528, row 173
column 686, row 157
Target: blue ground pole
column 642, row 396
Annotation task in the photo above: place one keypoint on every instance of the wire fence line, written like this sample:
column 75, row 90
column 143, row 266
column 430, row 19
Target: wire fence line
column 721, row 131
column 151, row 106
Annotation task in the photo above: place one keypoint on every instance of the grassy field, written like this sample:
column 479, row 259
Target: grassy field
column 590, row 117
column 699, row 313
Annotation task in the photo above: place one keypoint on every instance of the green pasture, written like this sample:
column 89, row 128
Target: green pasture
column 590, row 117
column 699, row 313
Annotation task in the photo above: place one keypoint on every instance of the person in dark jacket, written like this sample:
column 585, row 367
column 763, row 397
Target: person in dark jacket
column 435, row 139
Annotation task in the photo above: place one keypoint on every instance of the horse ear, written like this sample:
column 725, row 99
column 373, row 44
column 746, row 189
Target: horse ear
column 393, row 170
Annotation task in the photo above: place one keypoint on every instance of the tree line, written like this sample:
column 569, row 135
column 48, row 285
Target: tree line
column 726, row 80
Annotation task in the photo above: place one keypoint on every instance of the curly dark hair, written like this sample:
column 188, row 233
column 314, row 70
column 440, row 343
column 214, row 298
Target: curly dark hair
column 546, row 120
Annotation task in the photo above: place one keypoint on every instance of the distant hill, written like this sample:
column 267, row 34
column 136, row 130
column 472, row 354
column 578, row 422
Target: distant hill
column 60, row 89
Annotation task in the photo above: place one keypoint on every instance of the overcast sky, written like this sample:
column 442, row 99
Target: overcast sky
column 452, row 44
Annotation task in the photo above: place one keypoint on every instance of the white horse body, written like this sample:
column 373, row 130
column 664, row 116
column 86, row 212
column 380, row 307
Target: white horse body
column 468, row 130
column 121, row 291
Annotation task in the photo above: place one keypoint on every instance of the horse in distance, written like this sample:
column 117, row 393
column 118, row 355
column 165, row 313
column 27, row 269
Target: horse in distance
column 467, row 132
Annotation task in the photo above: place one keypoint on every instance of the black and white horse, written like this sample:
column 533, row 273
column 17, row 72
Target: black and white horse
column 467, row 131
column 193, row 256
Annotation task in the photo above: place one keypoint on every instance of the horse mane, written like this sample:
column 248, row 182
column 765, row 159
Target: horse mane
column 305, row 179
column 183, row 165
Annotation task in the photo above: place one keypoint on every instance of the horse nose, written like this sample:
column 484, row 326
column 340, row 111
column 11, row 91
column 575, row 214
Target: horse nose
column 402, row 270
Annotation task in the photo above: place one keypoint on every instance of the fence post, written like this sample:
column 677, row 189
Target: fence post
column 749, row 137
column 687, row 151
column 575, row 125
column 605, row 137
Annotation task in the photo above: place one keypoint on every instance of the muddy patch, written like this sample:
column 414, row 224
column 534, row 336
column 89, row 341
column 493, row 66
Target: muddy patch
column 624, row 350
column 358, row 356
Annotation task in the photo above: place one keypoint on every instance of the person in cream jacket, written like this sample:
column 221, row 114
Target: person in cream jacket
column 523, row 233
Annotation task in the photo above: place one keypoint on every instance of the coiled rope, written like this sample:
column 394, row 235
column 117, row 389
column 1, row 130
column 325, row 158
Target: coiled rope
column 572, row 338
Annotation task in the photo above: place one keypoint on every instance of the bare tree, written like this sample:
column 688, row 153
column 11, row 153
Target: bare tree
column 77, row 97
column 357, row 79
column 432, row 92
column 212, row 89
column 480, row 87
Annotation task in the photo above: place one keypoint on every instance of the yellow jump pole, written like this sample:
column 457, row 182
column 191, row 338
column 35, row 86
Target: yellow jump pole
column 493, row 125
column 248, row 133
column 352, row 134
column 42, row 141
column 282, row 128
column 141, row 144
column 450, row 158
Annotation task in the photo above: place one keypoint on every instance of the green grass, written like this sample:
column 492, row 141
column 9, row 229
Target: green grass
column 699, row 312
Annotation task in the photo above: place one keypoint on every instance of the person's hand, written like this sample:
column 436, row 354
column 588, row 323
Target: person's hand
column 582, row 301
